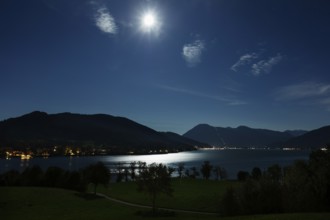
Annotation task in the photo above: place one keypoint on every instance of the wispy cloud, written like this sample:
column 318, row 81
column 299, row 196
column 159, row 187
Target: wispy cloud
column 104, row 21
column 227, row 100
column 308, row 93
column 237, row 102
column 244, row 60
column 255, row 64
column 303, row 90
column 192, row 52
column 265, row 66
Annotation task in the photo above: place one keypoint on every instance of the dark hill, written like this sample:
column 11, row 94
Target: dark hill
column 241, row 136
column 314, row 139
column 184, row 140
column 39, row 128
column 296, row 133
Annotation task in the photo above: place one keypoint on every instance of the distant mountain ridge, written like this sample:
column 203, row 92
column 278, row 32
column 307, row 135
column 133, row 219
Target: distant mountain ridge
column 241, row 136
column 42, row 129
column 296, row 133
column 314, row 139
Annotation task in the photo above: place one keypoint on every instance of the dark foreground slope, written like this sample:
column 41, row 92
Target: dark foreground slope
column 30, row 203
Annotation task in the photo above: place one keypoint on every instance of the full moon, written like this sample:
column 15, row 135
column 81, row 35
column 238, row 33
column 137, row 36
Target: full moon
column 150, row 22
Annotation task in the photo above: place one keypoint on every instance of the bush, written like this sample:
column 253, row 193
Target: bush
column 242, row 175
column 230, row 205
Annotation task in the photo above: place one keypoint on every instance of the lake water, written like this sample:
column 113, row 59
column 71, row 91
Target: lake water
column 232, row 160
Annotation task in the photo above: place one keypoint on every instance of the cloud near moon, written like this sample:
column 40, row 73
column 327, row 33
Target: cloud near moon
column 105, row 22
column 192, row 52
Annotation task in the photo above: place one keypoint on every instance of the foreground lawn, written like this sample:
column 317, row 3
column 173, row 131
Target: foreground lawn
column 26, row 203
column 189, row 194
column 18, row 203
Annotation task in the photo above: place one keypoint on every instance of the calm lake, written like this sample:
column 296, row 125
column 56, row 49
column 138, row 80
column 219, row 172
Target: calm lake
column 232, row 160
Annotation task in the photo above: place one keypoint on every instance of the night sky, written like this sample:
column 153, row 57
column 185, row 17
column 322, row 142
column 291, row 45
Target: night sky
column 169, row 64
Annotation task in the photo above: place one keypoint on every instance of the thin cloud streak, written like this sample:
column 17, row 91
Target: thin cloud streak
column 192, row 52
column 303, row 91
column 105, row 22
column 265, row 66
column 236, row 103
column 244, row 60
column 228, row 101
column 256, row 65
column 307, row 93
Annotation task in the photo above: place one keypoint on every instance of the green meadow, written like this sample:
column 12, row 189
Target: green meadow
column 53, row 204
column 189, row 194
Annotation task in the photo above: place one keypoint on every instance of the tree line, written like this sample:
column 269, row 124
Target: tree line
column 57, row 177
column 78, row 180
column 301, row 187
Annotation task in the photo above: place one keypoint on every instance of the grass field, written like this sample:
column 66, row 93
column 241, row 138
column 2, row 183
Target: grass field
column 189, row 194
column 18, row 203
column 26, row 203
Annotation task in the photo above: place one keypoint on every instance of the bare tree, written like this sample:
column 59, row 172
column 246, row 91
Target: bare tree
column 132, row 167
column 153, row 180
column 195, row 172
column 206, row 169
column 217, row 172
column 97, row 174
column 180, row 169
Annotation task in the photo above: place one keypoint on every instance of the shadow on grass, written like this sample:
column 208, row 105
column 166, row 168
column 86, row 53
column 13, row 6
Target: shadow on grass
column 3, row 205
column 88, row 196
column 159, row 213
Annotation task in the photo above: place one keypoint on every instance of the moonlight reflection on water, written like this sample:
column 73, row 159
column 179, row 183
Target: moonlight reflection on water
column 231, row 160
column 169, row 159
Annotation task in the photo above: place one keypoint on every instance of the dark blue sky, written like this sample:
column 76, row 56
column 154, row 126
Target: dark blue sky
column 264, row 64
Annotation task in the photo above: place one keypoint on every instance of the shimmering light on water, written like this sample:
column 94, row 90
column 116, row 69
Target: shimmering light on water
column 169, row 159
column 231, row 160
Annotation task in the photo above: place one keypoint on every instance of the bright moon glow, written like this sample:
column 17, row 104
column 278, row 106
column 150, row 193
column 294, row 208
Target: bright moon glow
column 149, row 22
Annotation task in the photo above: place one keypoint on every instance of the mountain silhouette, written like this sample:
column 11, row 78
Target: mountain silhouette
column 296, row 133
column 42, row 129
column 241, row 136
column 314, row 139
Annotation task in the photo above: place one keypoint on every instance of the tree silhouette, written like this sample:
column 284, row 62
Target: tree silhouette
column 132, row 167
column 217, row 171
column 54, row 177
column 187, row 172
column 120, row 174
column 11, row 178
column 153, row 180
column 274, row 172
column 256, row 173
column 97, row 174
column 141, row 166
column 74, row 181
column 32, row 176
column 242, row 175
column 195, row 172
column 320, row 166
column 223, row 173
column 220, row 173
column 206, row 169
column 126, row 173
column 180, row 169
